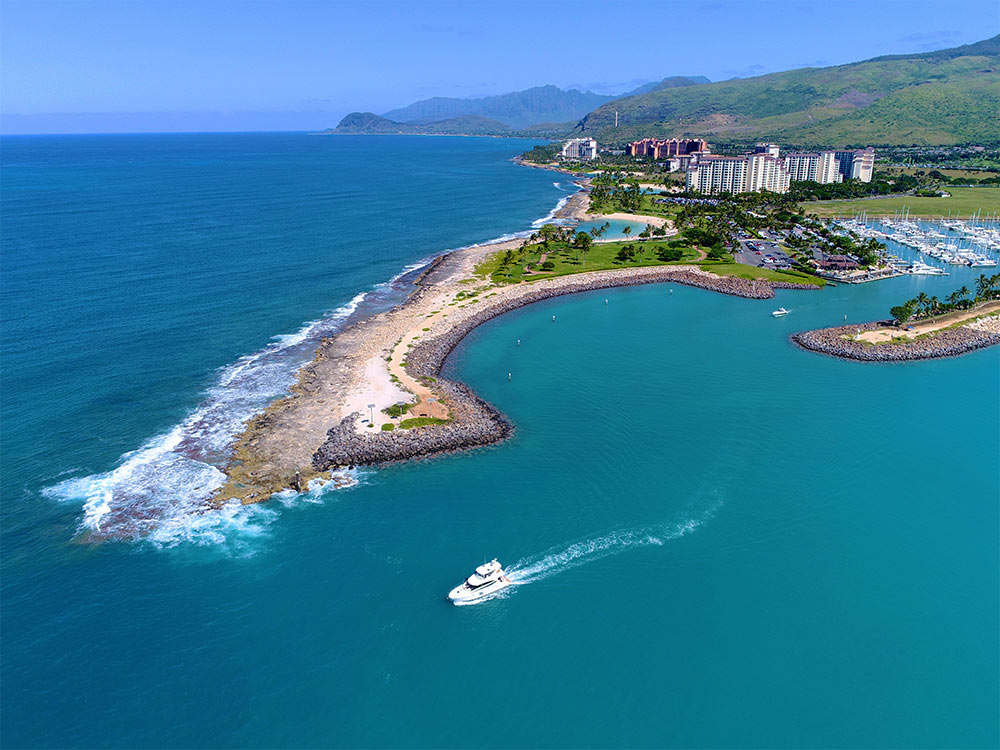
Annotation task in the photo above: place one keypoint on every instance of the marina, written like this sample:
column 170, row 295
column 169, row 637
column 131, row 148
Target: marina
column 974, row 242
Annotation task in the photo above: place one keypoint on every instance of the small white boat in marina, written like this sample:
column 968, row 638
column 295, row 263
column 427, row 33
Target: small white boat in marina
column 779, row 312
column 486, row 580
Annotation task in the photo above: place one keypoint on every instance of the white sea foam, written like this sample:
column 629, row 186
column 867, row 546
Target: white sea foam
column 159, row 491
column 319, row 488
column 550, row 217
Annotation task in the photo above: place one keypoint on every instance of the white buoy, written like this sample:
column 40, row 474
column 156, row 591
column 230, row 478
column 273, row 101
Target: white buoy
column 519, row 342
column 671, row 291
column 508, row 377
column 605, row 303
column 553, row 318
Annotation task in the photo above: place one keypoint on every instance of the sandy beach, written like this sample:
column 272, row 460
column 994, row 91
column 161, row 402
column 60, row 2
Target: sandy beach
column 931, row 326
column 396, row 357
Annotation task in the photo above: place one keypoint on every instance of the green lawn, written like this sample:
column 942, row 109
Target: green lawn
column 602, row 258
column 962, row 200
column 752, row 272
column 646, row 207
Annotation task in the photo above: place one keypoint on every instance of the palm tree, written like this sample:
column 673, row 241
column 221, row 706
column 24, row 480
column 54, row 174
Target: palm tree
column 628, row 230
column 922, row 301
column 983, row 287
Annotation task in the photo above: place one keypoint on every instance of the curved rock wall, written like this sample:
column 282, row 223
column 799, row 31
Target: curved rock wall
column 474, row 421
column 946, row 343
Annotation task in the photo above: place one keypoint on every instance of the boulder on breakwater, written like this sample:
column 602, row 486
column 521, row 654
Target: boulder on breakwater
column 949, row 342
column 474, row 422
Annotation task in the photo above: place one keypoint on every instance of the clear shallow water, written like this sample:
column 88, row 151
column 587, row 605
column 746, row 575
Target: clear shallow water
column 616, row 228
column 722, row 540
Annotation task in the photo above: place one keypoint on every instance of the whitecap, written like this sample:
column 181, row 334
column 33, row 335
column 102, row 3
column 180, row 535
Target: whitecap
column 161, row 490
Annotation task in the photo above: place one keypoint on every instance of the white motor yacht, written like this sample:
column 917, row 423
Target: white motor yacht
column 487, row 580
column 924, row 269
column 779, row 312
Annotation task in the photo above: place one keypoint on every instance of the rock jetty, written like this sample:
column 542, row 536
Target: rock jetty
column 474, row 422
column 949, row 342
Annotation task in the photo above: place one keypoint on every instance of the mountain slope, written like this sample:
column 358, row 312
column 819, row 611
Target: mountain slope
column 522, row 109
column 666, row 83
column 933, row 98
column 368, row 123
column 518, row 109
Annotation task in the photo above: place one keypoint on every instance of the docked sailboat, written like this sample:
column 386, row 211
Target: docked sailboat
column 486, row 580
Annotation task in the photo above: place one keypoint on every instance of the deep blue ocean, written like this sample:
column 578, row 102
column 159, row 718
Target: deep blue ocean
column 723, row 541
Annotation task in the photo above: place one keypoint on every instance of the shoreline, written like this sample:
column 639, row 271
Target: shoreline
column 323, row 423
column 475, row 422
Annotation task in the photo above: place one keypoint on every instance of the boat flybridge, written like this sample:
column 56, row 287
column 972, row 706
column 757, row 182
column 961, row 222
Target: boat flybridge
column 487, row 580
column 779, row 312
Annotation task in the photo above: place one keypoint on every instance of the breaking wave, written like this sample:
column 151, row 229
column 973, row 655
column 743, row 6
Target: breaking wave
column 550, row 217
column 160, row 490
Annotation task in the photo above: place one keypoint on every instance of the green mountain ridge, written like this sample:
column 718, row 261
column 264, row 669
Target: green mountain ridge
column 523, row 109
column 935, row 98
column 368, row 123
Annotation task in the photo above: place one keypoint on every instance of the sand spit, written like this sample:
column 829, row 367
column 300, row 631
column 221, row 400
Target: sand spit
column 335, row 414
column 319, row 426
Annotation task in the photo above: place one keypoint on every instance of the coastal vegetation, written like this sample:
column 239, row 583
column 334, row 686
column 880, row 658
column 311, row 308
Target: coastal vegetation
column 543, row 153
column 614, row 192
column 965, row 201
column 414, row 422
column 555, row 251
column 923, row 307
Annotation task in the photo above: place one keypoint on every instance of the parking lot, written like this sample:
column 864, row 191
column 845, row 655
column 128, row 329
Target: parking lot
column 761, row 253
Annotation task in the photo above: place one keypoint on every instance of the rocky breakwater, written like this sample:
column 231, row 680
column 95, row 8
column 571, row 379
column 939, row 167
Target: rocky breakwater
column 472, row 421
column 948, row 342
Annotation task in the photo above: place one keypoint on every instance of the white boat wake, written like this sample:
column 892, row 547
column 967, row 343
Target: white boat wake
column 559, row 559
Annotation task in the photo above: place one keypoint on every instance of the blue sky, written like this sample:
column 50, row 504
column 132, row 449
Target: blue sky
column 92, row 65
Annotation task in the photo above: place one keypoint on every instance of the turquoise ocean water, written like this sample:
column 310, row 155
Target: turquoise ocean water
column 721, row 540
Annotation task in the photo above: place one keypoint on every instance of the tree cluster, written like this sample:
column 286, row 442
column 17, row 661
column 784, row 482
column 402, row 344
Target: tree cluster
column 923, row 306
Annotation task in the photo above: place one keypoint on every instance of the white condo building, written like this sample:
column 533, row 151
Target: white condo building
column 583, row 149
column 718, row 174
column 823, row 167
column 856, row 165
column 765, row 169
column 738, row 174
column 766, row 148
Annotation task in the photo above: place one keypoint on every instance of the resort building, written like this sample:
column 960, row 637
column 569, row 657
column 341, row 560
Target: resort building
column 664, row 149
column 717, row 174
column 738, row 174
column 767, row 171
column 856, row 165
column 682, row 162
column 823, row 167
column 580, row 149
column 766, row 148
